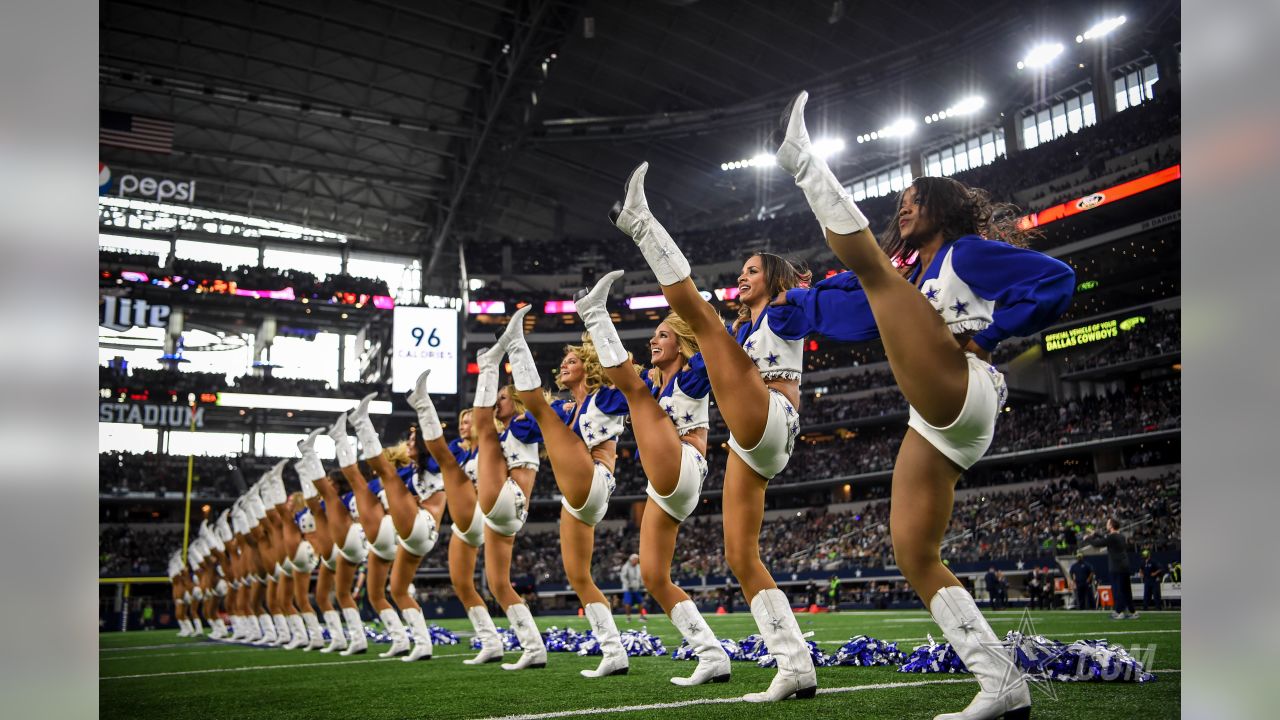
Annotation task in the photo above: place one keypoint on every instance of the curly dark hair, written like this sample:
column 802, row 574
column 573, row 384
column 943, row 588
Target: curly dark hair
column 957, row 210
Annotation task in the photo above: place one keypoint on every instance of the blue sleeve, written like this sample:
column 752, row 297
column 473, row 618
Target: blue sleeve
column 525, row 430
column 562, row 411
column 611, row 401
column 788, row 322
column 432, row 467
column 1030, row 289
column 459, row 453
column 375, row 486
column 694, row 381
column 836, row 308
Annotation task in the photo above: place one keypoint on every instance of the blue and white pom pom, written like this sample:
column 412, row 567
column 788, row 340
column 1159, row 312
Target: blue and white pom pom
column 820, row 659
column 639, row 643
column 751, row 648
column 685, row 651
column 863, row 651
column 933, row 657
column 1081, row 661
column 509, row 640
column 442, row 636
column 563, row 639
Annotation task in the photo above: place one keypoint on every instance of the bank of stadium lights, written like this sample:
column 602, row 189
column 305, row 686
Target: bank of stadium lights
column 1041, row 55
column 824, row 147
column 1101, row 29
column 966, row 106
column 900, row 128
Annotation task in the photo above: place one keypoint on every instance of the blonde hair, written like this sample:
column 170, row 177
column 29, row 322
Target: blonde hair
column 780, row 275
column 469, row 441
column 686, row 345
column 399, row 454
column 593, row 371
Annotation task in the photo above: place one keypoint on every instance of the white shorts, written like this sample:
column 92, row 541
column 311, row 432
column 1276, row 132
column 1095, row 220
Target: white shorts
column 197, row 594
column 384, row 546
column 474, row 535
column 331, row 562
column 968, row 437
column 682, row 501
column 277, row 572
column 510, row 511
column 221, row 588
column 287, row 567
column 771, row 454
column 305, row 560
column 597, row 502
column 353, row 549
column 423, row 536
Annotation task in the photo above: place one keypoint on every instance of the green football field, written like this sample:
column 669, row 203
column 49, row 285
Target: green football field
column 158, row 675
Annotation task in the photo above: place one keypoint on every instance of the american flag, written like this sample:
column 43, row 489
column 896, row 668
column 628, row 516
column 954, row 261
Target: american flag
column 134, row 131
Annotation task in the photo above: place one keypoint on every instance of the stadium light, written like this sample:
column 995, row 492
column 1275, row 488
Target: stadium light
column 824, row 147
column 902, row 127
column 1041, row 55
column 1103, row 28
column 967, row 106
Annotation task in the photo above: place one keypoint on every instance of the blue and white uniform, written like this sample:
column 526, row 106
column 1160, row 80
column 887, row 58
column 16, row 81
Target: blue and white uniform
column 520, row 448
column 466, row 459
column 775, row 343
column 352, row 546
column 422, row 537
column 988, row 288
column 384, row 544
column 686, row 399
column 306, row 558
column 602, row 417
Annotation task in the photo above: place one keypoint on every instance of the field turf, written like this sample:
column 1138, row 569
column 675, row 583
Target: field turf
column 158, row 675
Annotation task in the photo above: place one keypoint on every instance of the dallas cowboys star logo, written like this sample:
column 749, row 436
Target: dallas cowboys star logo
column 1006, row 658
column 514, row 456
column 693, row 628
column 960, row 308
column 931, row 293
column 600, row 627
column 521, row 624
column 772, row 358
column 749, row 345
column 591, row 436
column 754, row 360
column 776, row 622
column 688, row 417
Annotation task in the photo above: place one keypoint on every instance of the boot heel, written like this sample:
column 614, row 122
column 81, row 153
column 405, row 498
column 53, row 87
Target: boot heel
column 622, row 671
column 536, row 666
column 720, row 678
column 1023, row 713
column 809, row 692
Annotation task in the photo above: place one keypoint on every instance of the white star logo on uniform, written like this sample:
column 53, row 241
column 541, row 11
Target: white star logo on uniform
column 694, row 628
column 776, row 622
column 600, row 627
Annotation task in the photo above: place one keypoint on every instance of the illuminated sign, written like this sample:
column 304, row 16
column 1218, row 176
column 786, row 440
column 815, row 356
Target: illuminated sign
column 559, row 307
column 173, row 416
column 1098, row 199
column 421, row 339
column 1087, row 285
column 487, row 307
column 149, row 187
column 120, row 314
column 299, row 403
column 1091, row 333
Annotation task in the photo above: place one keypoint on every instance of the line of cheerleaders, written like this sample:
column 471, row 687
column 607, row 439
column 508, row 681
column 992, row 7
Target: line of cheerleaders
column 948, row 281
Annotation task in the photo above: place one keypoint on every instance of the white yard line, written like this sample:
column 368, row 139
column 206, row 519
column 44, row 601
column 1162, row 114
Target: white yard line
column 251, row 668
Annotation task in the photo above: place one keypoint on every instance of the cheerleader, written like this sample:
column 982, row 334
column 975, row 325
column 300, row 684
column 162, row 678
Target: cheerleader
column 180, row 594
column 506, row 466
column 755, row 374
column 305, row 559
column 581, row 438
column 669, row 412
column 388, row 515
column 315, row 530
column 341, row 517
column 455, row 466
column 945, row 285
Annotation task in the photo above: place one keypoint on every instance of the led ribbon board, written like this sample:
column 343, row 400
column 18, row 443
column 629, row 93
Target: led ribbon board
column 1100, row 198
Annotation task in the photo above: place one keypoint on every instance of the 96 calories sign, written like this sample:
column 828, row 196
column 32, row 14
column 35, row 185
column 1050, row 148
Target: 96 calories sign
column 421, row 339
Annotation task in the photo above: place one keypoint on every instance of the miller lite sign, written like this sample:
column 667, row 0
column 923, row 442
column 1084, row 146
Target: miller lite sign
column 122, row 313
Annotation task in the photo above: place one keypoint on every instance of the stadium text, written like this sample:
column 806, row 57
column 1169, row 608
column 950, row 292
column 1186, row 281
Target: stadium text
column 1104, row 330
column 120, row 314
column 178, row 416
column 158, row 190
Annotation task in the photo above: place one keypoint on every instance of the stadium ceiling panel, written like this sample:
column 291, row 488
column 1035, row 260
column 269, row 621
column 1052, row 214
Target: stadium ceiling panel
column 412, row 126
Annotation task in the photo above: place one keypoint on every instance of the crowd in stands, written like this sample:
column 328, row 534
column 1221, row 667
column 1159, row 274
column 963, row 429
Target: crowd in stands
column 250, row 277
column 1052, row 518
column 1087, row 150
column 120, row 473
column 158, row 383
column 135, row 550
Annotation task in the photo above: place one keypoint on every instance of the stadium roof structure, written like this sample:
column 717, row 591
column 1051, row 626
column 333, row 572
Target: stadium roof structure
column 413, row 126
